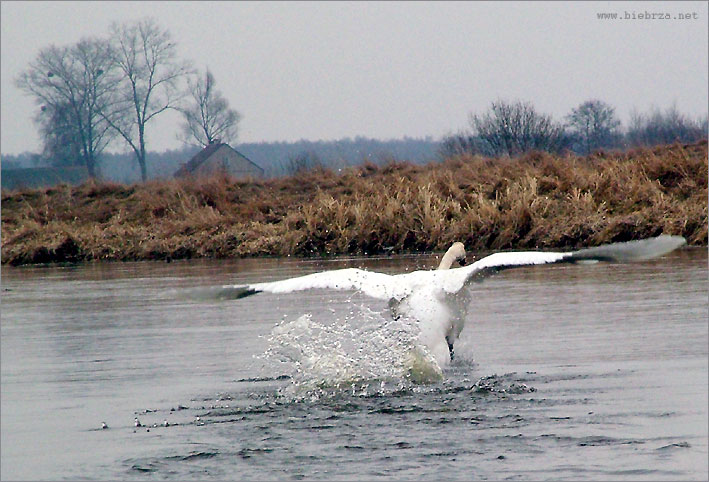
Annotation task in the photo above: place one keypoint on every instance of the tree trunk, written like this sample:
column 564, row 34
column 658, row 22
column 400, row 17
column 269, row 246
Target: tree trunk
column 141, row 155
column 143, row 169
column 91, row 166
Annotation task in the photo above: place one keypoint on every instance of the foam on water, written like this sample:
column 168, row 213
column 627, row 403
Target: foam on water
column 363, row 349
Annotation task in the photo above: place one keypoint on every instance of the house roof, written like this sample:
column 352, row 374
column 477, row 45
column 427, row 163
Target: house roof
column 191, row 165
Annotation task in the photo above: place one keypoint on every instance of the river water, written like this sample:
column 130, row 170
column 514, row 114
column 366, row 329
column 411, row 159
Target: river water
column 562, row 372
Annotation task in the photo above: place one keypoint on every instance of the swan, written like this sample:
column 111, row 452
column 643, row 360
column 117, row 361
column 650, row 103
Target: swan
column 438, row 299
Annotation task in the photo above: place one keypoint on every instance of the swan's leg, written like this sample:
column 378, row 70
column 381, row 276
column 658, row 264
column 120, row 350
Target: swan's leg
column 450, row 349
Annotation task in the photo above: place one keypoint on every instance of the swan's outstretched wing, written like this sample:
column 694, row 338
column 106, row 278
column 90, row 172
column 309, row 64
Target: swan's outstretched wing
column 376, row 285
column 387, row 287
column 639, row 250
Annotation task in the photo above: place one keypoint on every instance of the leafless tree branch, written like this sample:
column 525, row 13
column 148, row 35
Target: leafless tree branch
column 147, row 60
column 73, row 85
column 208, row 117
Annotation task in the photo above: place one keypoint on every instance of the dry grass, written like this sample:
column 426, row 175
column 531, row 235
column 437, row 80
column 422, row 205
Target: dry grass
column 537, row 201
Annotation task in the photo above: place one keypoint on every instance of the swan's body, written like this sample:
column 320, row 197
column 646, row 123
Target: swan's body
column 437, row 299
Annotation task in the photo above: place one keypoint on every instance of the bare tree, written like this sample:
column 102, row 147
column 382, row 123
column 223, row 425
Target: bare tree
column 208, row 118
column 61, row 140
column 666, row 127
column 146, row 57
column 459, row 144
column 513, row 128
column 303, row 162
column 73, row 85
column 594, row 125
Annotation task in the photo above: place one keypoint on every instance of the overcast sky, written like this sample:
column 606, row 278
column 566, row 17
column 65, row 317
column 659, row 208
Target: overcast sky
column 385, row 70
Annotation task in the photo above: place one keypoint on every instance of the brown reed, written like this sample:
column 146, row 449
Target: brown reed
column 536, row 201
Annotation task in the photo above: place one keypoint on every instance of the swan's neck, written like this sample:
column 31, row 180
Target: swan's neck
column 447, row 260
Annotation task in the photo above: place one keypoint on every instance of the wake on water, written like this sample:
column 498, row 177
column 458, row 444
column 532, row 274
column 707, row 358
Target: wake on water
column 364, row 351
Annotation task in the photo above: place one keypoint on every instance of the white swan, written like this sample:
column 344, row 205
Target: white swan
column 437, row 298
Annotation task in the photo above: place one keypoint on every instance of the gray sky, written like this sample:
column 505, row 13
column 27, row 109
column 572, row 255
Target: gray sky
column 385, row 70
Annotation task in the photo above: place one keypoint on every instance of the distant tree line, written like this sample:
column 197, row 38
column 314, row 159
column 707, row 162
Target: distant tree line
column 105, row 90
column 287, row 158
column 512, row 128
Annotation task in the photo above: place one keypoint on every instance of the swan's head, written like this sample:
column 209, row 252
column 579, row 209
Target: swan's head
column 454, row 253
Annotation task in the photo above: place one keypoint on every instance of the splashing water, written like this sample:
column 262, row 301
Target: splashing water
column 364, row 351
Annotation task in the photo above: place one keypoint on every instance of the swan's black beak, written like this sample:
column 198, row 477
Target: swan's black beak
column 462, row 261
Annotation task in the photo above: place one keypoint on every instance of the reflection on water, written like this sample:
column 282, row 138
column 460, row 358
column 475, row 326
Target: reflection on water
column 592, row 372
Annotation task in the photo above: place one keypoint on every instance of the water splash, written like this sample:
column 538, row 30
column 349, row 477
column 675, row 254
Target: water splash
column 365, row 351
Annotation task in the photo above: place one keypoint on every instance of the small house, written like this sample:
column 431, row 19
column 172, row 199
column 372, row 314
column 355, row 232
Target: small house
column 219, row 158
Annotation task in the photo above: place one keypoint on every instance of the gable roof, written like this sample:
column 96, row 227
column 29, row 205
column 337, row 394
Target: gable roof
column 191, row 165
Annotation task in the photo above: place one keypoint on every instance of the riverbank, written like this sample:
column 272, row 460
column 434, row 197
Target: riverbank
column 538, row 201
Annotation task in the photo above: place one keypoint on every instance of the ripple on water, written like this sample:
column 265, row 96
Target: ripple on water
column 346, row 433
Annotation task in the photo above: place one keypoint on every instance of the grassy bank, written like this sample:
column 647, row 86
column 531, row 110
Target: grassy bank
column 537, row 201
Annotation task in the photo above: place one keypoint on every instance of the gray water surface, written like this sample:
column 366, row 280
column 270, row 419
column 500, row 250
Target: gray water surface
column 562, row 372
